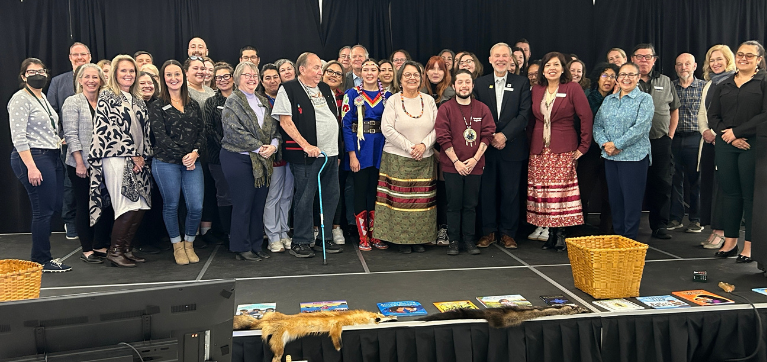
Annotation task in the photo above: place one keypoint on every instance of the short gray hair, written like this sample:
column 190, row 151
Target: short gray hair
column 241, row 69
column 280, row 62
column 367, row 55
column 501, row 44
column 300, row 62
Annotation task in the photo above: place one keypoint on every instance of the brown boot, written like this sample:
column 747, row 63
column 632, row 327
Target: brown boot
column 134, row 225
column 180, row 254
column 486, row 240
column 115, row 255
column 189, row 249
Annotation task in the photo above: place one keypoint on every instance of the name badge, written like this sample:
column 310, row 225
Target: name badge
column 220, row 107
column 561, row 95
column 477, row 119
column 167, row 107
column 508, row 88
column 491, row 86
column 658, row 88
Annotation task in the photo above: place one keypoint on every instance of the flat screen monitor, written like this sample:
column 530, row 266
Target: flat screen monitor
column 184, row 322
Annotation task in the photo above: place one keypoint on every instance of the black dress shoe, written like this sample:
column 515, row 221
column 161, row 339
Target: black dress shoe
column 91, row 259
column 661, row 233
column 99, row 254
column 743, row 259
column 262, row 255
column 405, row 249
column 418, row 248
column 727, row 254
column 248, row 255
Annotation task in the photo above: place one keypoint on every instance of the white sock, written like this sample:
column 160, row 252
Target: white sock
column 204, row 230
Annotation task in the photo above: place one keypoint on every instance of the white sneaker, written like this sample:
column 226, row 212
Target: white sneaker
column 535, row 234
column 544, row 236
column 338, row 236
column 286, row 242
column 276, row 247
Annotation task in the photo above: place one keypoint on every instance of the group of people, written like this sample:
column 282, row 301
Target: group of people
column 404, row 154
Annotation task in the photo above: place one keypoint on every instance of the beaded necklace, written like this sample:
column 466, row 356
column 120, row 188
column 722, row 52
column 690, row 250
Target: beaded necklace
column 402, row 98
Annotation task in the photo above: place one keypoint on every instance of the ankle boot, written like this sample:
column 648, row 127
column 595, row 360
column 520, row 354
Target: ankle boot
column 552, row 240
column 189, row 249
column 560, row 240
column 471, row 248
column 134, row 225
column 115, row 254
column 362, row 229
column 180, row 254
column 452, row 248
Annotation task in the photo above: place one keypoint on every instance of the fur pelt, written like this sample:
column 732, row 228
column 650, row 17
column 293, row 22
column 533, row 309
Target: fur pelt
column 285, row 328
column 506, row 316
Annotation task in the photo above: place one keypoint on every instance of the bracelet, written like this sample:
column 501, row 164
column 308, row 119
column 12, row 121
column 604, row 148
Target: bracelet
column 475, row 159
column 456, row 160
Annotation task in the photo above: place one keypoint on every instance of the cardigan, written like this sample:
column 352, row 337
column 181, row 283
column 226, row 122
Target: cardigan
column 77, row 120
column 30, row 123
column 569, row 102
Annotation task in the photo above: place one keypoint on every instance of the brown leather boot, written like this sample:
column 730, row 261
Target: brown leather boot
column 134, row 225
column 115, row 254
column 486, row 240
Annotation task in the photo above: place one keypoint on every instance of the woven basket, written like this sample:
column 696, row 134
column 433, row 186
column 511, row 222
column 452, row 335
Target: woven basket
column 607, row 266
column 19, row 279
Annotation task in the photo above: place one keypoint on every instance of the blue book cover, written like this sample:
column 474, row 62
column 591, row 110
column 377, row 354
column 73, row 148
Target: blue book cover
column 663, row 302
column 760, row 290
column 402, row 309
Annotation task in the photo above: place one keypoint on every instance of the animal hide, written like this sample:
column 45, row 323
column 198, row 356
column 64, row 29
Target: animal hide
column 506, row 316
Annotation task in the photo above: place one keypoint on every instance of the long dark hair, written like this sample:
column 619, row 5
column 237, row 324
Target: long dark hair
column 165, row 96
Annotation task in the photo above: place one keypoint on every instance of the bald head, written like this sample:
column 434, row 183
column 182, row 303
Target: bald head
column 197, row 47
column 685, row 66
column 309, row 68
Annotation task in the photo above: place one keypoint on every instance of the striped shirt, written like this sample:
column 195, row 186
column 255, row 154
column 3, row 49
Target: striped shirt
column 690, row 104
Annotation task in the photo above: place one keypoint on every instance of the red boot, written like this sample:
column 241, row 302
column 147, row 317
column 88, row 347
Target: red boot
column 377, row 243
column 362, row 228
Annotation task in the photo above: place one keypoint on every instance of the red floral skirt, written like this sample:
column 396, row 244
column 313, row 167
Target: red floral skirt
column 553, row 196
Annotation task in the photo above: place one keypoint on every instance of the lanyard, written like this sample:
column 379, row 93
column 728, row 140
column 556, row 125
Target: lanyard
column 45, row 107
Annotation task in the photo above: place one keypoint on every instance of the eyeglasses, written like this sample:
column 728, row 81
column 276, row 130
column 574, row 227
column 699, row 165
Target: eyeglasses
column 644, row 56
column 399, row 60
column 250, row 58
column 411, row 75
column 748, row 56
column 250, row 75
column 194, row 57
column 608, row 76
column 333, row 73
column 79, row 54
column 627, row 75
column 32, row 72
column 467, row 61
column 220, row 78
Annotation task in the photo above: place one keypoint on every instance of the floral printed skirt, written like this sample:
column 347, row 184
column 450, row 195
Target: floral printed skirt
column 553, row 196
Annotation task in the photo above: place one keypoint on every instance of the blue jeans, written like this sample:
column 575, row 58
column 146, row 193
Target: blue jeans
column 171, row 179
column 45, row 198
column 684, row 147
column 247, row 228
column 305, row 180
column 626, row 181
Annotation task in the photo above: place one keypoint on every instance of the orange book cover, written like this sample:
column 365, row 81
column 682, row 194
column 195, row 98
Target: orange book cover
column 702, row 297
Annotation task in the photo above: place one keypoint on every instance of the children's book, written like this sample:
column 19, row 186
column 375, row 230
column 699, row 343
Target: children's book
column 555, row 300
column 256, row 310
column 402, row 309
column 617, row 304
column 663, row 302
column 760, row 290
column 328, row 306
column 460, row 304
column 498, row 301
column 702, row 297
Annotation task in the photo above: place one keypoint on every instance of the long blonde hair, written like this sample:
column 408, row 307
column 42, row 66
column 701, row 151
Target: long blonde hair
column 112, row 83
column 728, row 55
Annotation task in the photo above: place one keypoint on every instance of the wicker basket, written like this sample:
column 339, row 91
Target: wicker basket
column 607, row 266
column 19, row 279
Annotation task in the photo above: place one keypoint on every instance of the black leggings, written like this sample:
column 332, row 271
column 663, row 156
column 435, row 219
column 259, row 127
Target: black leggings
column 98, row 236
column 365, row 185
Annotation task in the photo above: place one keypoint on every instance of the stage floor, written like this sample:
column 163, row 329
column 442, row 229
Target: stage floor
column 367, row 278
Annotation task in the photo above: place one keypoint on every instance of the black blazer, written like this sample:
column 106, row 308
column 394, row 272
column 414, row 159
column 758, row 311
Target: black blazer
column 348, row 81
column 515, row 113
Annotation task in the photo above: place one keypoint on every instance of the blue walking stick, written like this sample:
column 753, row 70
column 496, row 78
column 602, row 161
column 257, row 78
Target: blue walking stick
column 322, row 213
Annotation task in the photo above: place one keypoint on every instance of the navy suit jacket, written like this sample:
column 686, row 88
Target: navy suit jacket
column 515, row 113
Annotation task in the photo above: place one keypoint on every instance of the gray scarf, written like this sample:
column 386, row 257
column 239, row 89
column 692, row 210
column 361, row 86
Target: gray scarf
column 250, row 136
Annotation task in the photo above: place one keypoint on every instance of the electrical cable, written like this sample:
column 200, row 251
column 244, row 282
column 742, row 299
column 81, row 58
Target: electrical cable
column 760, row 341
column 134, row 350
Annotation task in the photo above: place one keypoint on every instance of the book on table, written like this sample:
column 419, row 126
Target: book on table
column 403, row 308
column 326, row 306
column 459, row 304
column 256, row 310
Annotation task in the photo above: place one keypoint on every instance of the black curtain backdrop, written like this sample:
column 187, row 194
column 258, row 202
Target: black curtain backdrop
column 284, row 29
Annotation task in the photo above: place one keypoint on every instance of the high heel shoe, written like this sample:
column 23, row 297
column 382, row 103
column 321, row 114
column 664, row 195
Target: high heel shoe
column 727, row 254
column 743, row 259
